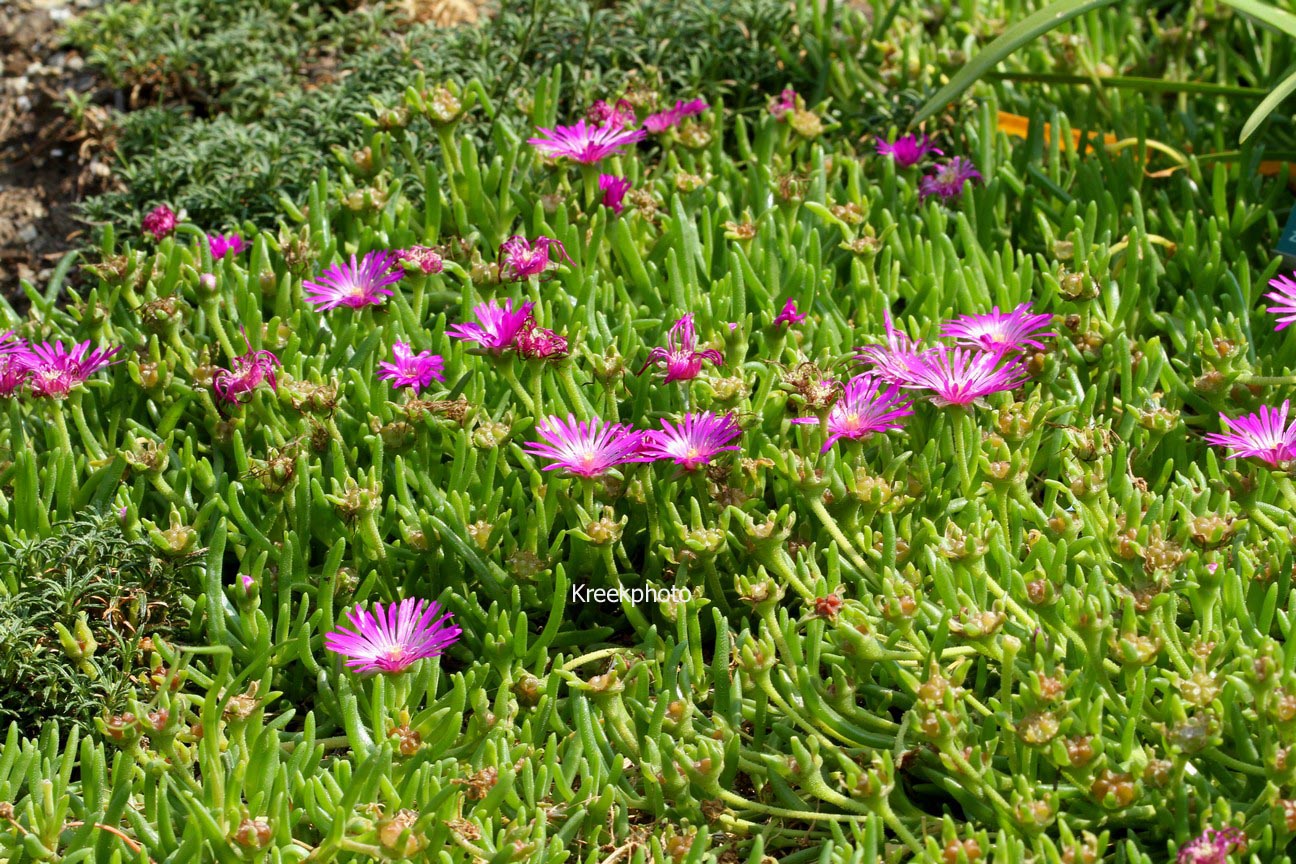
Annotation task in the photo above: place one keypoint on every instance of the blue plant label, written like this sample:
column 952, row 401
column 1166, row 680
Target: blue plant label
column 1287, row 242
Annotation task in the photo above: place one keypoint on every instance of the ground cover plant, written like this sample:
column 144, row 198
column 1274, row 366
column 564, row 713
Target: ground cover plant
column 601, row 479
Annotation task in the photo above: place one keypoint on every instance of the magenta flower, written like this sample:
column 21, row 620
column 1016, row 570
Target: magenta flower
column 496, row 327
column 353, row 284
column 908, row 150
column 1010, row 331
column 393, row 639
column 864, row 408
column 680, row 358
column 1284, row 294
column 525, row 258
column 408, row 369
column 223, row 244
column 960, row 376
column 1212, row 846
column 783, row 103
column 586, row 448
column 694, row 442
column 55, row 370
column 789, row 315
column 948, row 180
column 663, row 120
column 621, row 114
column 584, row 143
column 250, row 369
column 1265, row 435
column 614, row 189
column 892, row 361
column 424, row 258
column 539, row 343
column 160, row 222
column 13, row 374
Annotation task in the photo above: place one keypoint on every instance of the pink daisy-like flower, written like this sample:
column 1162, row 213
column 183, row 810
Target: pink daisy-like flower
column 534, row 342
column 948, row 180
column 160, row 221
column 1284, row 295
column 864, row 408
column 585, row 448
column 891, row 362
column 663, row 120
column 425, row 258
column 614, row 189
column 585, row 143
column 355, row 285
column 694, row 442
column 601, row 113
column 961, row 376
column 1010, row 331
column 224, row 244
column 525, row 258
column 789, row 315
column 1264, row 435
column 496, row 327
column 249, row 370
column 55, row 370
column 393, row 639
column 680, row 358
column 411, row 370
column 1212, row 846
column 783, row 103
column 908, row 150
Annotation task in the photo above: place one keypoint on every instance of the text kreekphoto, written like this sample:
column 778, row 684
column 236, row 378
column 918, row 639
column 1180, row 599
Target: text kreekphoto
column 622, row 594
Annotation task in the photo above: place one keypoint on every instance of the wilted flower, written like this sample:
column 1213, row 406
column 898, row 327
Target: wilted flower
column 680, row 358
column 1010, row 331
column 891, row 361
column 1265, row 435
column 948, row 180
column 783, row 103
column 907, row 150
column 585, row 143
column 960, row 376
column 496, row 326
column 621, row 114
column 408, row 369
column 1212, row 846
column 525, row 258
column 353, row 284
column 55, row 370
column 789, row 315
column 425, row 258
column 250, row 369
column 393, row 639
column 614, row 189
column 13, row 371
column 864, row 408
column 160, row 222
column 695, row 441
column 663, row 120
column 13, row 375
column 534, row 342
column 586, row 448
column 225, row 244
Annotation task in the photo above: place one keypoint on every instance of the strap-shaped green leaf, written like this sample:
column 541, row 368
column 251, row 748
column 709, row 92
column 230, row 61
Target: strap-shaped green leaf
column 1265, row 108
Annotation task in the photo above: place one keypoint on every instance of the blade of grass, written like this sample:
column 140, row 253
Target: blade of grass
column 1013, row 38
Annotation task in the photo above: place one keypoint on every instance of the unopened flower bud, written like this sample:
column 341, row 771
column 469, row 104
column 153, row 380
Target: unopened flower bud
column 254, row 834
